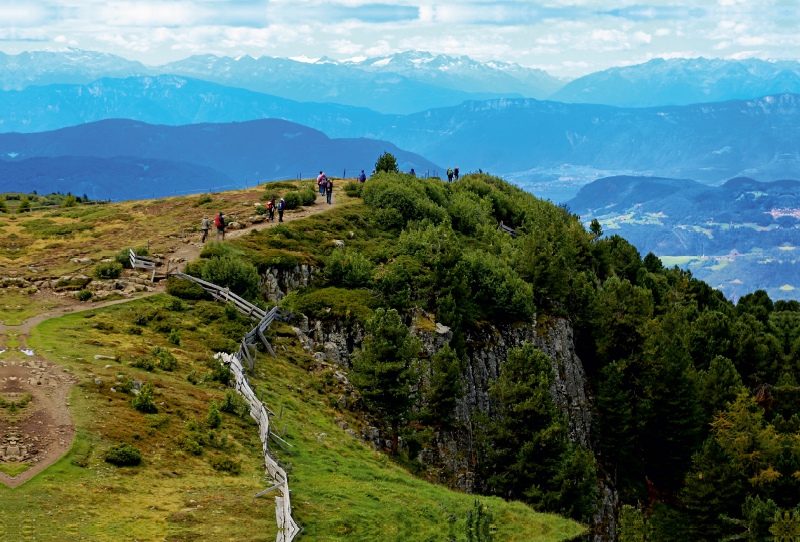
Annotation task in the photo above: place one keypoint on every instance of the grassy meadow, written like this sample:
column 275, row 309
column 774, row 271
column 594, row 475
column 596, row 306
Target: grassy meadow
column 341, row 489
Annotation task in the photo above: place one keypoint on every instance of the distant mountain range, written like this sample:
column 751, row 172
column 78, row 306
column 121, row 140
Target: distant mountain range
column 706, row 142
column 172, row 100
column 415, row 81
column 683, row 81
column 738, row 237
column 382, row 90
column 122, row 159
column 463, row 73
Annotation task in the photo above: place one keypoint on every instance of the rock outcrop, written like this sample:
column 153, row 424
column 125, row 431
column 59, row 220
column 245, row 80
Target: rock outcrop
column 450, row 458
column 276, row 283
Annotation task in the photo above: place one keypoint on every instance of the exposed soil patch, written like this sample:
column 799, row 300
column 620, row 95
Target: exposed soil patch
column 35, row 424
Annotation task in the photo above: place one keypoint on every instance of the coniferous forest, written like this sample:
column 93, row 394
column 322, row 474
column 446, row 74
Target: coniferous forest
column 695, row 398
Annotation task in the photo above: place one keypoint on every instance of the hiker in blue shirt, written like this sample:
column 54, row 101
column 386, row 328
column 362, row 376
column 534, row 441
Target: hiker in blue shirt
column 362, row 178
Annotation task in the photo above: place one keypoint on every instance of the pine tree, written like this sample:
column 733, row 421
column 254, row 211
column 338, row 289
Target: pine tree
column 445, row 386
column 712, row 488
column 386, row 162
column 383, row 368
column 614, row 424
column 719, row 386
column 526, row 450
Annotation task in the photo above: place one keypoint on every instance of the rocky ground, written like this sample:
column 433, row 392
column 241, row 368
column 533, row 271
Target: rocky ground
column 40, row 432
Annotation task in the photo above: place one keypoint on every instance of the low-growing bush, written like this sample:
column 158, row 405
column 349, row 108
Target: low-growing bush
column 83, row 295
column 229, row 272
column 348, row 268
column 174, row 337
column 164, row 359
column 219, row 372
column 174, row 304
column 191, row 445
column 261, row 210
column 225, row 464
column 234, row 404
column 308, row 196
column 147, row 363
column 202, row 200
column 185, row 289
column 192, row 377
column 353, row 189
column 145, row 401
column 123, row 455
column 213, row 419
column 293, row 200
column 109, row 270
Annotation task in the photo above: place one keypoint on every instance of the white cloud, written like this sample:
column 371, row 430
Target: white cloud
column 562, row 34
column 380, row 48
column 345, row 47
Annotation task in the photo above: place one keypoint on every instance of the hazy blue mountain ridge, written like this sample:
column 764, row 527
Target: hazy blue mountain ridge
column 739, row 237
column 682, row 81
column 172, row 100
column 323, row 82
column 120, row 177
column 71, row 66
column 238, row 152
column 707, row 142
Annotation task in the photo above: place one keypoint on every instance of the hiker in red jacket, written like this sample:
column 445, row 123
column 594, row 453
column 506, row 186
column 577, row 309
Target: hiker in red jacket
column 219, row 222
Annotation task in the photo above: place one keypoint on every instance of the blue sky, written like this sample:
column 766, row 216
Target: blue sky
column 567, row 38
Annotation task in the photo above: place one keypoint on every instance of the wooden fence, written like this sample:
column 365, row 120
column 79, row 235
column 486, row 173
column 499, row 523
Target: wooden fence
column 141, row 262
column 505, row 229
column 287, row 527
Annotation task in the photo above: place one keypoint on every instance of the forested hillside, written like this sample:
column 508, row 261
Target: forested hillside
column 694, row 399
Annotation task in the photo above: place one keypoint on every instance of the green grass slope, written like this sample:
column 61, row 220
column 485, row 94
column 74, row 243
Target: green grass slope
column 341, row 489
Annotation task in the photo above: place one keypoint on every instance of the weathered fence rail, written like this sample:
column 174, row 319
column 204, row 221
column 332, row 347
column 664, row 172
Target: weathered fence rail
column 505, row 229
column 142, row 262
column 287, row 527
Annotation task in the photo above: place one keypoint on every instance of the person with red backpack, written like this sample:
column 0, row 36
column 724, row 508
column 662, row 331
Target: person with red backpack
column 329, row 189
column 271, row 209
column 281, row 208
column 219, row 222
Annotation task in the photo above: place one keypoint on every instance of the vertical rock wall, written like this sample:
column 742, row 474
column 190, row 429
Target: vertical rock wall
column 450, row 458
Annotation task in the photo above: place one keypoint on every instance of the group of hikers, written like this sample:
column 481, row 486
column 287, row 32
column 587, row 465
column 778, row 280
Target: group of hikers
column 452, row 174
column 220, row 223
column 326, row 185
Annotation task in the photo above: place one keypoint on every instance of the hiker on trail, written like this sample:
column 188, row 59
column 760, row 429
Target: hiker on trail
column 281, row 208
column 321, row 180
column 449, row 175
column 455, row 173
column 362, row 178
column 205, row 225
column 219, row 222
column 271, row 209
column 329, row 189
column 414, row 173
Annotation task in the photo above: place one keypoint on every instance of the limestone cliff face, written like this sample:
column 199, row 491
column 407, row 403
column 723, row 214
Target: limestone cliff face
column 450, row 458
column 276, row 283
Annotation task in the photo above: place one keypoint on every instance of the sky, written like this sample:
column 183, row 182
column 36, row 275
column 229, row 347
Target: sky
column 565, row 37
